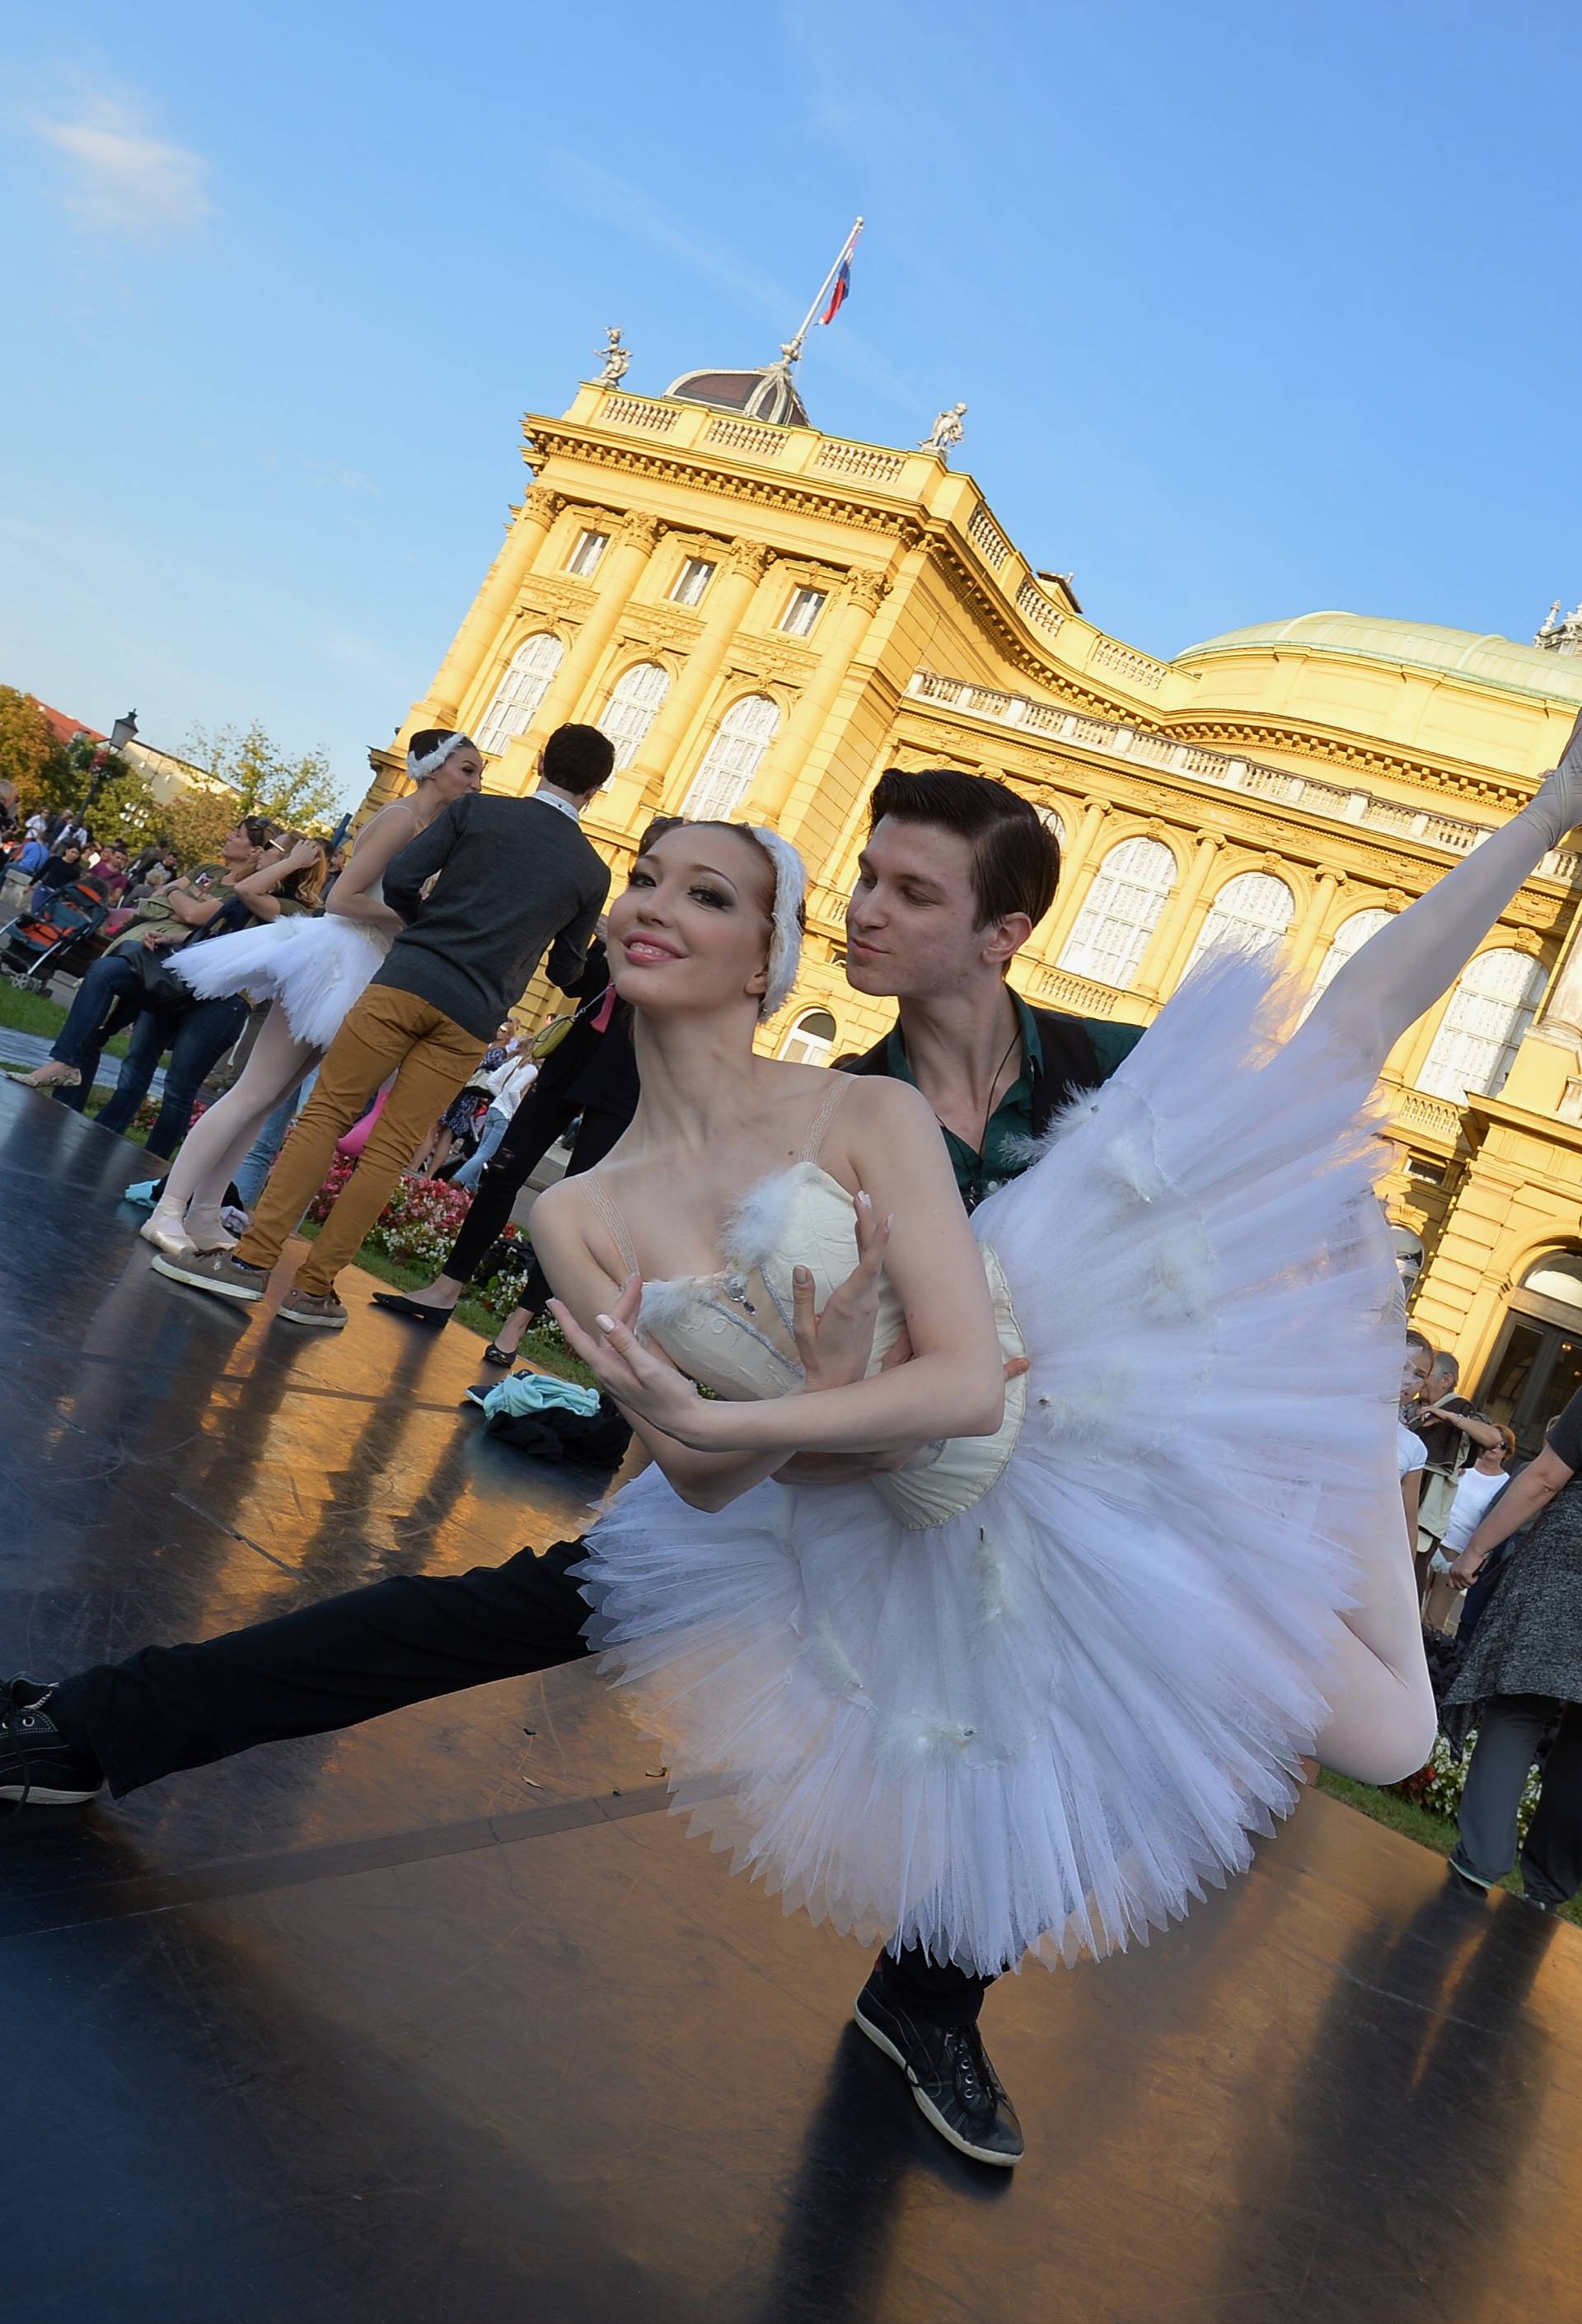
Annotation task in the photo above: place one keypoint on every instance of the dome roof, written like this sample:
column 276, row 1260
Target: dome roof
column 769, row 394
column 1419, row 645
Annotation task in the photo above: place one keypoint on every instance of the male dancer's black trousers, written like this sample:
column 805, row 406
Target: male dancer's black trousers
column 533, row 1129
column 401, row 1641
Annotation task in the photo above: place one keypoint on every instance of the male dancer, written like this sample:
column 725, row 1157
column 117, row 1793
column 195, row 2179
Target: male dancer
column 515, row 877
column 956, row 874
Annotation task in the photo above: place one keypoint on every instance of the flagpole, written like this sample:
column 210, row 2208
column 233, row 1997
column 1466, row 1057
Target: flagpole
column 794, row 347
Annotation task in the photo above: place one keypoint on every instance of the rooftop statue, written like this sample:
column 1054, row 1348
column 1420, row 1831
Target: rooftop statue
column 947, row 430
column 616, row 358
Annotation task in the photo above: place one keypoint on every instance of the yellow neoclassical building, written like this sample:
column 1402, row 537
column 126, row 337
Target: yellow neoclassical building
column 763, row 617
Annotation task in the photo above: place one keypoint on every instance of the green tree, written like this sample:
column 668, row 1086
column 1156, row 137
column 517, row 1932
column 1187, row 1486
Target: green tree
column 30, row 756
column 297, row 792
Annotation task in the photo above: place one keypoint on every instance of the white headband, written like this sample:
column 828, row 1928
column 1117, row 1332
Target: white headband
column 785, row 946
column 430, row 764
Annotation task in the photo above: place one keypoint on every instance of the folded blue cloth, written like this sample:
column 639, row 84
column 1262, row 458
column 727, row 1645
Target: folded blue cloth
column 526, row 1392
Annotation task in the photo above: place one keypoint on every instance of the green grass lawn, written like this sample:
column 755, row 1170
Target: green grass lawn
column 1415, row 1824
column 35, row 1012
column 538, row 1349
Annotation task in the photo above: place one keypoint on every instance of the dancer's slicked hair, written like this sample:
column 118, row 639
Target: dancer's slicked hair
column 1015, row 858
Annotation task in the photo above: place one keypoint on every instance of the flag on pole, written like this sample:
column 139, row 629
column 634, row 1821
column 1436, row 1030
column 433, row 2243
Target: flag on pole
column 839, row 291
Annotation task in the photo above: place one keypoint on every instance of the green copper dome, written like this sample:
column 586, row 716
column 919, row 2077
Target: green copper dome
column 1418, row 645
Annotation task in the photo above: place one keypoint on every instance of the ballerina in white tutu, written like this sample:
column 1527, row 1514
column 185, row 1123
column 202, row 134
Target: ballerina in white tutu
column 311, row 971
column 1033, row 1690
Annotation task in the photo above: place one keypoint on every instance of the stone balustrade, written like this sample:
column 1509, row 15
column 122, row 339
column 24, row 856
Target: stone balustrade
column 1126, row 663
column 1061, row 988
column 987, row 539
column 1416, row 1114
column 1255, row 779
column 1035, row 608
column 860, row 462
column 749, row 436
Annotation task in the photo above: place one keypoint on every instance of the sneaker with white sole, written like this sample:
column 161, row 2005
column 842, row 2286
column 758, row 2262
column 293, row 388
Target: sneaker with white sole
column 952, row 2081
column 38, row 1767
column 313, row 1308
column 215, row 1271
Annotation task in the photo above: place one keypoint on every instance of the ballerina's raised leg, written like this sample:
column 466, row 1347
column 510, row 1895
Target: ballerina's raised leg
column 1381, row 1721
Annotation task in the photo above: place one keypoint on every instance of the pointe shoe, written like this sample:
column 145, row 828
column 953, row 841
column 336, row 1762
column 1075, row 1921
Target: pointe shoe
column 170, row 1239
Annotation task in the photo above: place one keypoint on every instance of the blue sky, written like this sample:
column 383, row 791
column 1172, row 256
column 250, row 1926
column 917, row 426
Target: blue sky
column 1256, row 312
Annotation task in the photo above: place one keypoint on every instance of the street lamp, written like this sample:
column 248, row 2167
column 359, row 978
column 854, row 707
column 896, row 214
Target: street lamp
column 122, row 732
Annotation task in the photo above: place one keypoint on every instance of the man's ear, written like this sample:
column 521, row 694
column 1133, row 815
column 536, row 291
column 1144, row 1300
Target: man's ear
column 1004, row 937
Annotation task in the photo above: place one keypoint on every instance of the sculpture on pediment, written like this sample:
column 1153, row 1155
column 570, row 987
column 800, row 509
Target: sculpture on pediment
column 945, row 432
column 615, row 357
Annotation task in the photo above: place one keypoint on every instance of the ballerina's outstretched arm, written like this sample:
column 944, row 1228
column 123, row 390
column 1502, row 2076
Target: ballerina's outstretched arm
column 1381, row 1720
column 1388, row 983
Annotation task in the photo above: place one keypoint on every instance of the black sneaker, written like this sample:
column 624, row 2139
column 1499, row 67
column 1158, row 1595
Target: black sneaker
column 950, row 2075
column 38, row 1767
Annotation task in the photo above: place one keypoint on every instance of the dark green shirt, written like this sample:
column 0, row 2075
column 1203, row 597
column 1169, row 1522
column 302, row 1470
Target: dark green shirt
column 1008, row 1134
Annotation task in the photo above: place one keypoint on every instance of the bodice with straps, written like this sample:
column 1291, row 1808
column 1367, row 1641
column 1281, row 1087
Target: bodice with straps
column 731, row 1329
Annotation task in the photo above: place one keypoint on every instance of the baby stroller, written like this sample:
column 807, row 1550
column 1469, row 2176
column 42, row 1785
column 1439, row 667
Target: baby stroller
column 34, row 944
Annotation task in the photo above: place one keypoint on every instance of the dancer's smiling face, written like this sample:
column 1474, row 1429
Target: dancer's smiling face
column 690, row 933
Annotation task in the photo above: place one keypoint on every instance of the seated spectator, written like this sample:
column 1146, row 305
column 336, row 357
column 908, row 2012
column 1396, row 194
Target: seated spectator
column 32, row 856
column 109, row 871
column 114, row 988
column 198, row 1032
column 62, row 868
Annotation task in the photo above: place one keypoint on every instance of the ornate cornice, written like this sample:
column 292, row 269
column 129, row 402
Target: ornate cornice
column 551, row 593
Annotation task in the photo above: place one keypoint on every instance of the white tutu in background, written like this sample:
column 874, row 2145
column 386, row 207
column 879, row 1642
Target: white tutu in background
column 1036, row 1695
column 315, row 968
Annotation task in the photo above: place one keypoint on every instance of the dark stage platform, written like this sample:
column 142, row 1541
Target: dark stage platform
column 440, row 2020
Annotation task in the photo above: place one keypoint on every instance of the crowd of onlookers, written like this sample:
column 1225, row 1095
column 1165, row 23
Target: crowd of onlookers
column 50, row 852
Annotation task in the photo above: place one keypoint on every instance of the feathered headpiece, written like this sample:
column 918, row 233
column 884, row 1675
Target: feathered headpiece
column 432, row 761
column 785, row 945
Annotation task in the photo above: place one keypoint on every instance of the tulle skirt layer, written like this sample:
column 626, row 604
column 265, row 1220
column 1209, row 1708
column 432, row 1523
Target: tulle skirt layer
column 315, row 968
column 1047, row 1723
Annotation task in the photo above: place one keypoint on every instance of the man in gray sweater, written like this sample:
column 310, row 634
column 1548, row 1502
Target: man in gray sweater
column 512, row 878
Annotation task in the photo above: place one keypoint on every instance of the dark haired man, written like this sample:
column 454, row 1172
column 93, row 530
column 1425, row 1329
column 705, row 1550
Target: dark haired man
column 956, row 873
column 515, row 876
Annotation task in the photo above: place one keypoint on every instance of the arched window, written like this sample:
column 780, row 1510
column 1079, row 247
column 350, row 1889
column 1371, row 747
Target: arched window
column 812, row 1040
column 1120, row 912
column 1349, row 937
column 725, row 777
column 521, row 690
column 1490, row 1010
column 1556, row 1276
column 1251, row 910
column 632, row 708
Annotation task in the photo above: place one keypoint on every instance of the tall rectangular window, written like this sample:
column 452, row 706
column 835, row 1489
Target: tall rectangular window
column 696, row 575
column 799, row 615
column 590, row 547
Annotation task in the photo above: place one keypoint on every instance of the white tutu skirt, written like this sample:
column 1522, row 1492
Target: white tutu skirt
column 1044, row 1724
column 315, row 968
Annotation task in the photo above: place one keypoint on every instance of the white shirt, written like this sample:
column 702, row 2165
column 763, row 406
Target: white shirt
column 1473, row 1493
column 558, row 801
column 1411, row 1452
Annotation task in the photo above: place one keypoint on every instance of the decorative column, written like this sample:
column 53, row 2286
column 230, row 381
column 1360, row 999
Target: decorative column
column 620, row 570
column 730, row 593
column 771, row 793
column 1309, row 928
column 474, row 643
column 1181, row 921
column 1080, row 861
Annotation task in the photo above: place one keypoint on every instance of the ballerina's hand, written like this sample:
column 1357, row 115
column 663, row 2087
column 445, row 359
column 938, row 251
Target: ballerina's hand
column 836, row 1343
column 644, row 1383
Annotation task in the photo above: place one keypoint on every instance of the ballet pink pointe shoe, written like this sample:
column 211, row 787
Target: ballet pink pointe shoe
column 166, row 1233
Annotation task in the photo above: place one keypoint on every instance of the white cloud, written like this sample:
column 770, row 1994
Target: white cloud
column 120, row 180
